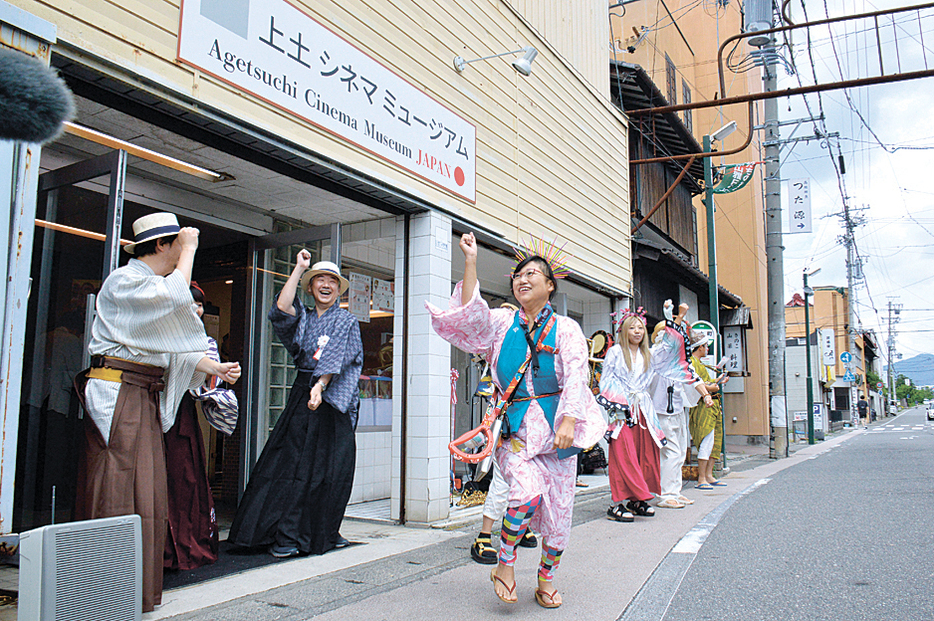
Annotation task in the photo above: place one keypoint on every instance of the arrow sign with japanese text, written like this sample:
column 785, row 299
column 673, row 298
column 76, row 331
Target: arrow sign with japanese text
column 799, row 205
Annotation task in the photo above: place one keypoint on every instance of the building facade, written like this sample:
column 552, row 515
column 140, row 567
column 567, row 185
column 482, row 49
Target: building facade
column 340, row 127
column 829, row 344
column 675, row 48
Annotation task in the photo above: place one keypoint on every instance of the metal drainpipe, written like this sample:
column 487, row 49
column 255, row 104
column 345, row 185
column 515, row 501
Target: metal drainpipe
column 403, row 425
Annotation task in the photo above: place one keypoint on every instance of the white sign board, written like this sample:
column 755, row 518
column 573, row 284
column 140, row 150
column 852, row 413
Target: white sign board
column 276, row 52
column 705, row 327
column 359, row 296
column 828, row 347
column 733, row 349
column 799, row 205
column 779, row 416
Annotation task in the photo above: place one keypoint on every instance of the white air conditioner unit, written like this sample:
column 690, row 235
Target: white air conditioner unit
column 82, row 571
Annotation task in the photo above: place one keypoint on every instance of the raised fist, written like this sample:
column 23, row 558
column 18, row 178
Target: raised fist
column 468, row 245
column 303, row 260
column 188, row 237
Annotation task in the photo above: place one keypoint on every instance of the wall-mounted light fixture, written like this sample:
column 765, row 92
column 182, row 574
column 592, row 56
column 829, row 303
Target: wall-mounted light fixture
column 723, row 132
column 522, row 65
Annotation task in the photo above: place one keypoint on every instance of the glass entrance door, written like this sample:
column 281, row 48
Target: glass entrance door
column 270, row 371
column 75, row 248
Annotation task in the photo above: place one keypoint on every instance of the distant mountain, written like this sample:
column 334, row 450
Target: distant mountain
column 919, row 369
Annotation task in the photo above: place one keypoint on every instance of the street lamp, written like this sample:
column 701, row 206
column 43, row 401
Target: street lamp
column 807, row 340
column 718, row 136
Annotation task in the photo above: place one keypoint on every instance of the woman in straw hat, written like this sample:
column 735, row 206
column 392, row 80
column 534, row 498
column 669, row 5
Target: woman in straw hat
column 542, row 359
column 300, row 486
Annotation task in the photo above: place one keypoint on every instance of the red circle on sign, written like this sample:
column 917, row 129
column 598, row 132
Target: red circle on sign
column 459, row 176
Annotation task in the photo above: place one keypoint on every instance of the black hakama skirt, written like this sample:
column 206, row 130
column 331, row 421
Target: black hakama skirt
column 300, row 486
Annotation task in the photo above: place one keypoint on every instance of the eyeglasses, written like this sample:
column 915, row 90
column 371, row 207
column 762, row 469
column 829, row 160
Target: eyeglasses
column 526, row 274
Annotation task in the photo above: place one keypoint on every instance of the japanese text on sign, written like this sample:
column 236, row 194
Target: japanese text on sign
column 799, row 205
column 828, row 349
column 276, row 52
column 733, row 349
column 361, row 293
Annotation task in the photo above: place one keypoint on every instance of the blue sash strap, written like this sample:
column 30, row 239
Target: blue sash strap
column 514, row 358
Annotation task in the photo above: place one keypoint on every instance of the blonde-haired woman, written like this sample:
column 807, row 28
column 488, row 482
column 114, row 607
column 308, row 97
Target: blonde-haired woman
column 629, row 372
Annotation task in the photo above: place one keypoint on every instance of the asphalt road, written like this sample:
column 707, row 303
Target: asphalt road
column 847, row 534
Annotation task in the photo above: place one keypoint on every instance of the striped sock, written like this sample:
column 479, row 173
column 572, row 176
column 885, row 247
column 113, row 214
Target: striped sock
column 551, row 558
column 515, row 523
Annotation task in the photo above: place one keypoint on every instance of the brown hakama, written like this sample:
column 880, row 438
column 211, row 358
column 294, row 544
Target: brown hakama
column 127, row 475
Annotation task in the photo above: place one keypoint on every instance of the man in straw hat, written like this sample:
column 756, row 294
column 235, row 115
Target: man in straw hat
column 300, row 486
column 147, row 348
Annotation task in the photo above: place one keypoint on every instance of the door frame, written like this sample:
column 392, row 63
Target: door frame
column 258, row 332
column 112, row 164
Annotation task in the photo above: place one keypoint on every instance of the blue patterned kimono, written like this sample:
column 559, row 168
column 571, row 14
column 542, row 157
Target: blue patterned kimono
column 300, row 486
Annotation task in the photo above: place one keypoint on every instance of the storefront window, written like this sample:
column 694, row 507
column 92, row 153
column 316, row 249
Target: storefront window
column 368, row 259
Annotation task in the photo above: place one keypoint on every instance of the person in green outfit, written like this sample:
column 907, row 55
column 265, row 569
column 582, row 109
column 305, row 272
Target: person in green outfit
column 705, row 426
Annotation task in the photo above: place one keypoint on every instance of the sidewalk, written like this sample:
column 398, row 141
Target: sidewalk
column 403, row 571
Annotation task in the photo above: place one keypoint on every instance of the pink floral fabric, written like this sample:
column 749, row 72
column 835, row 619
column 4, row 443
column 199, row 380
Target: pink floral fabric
column 528, row 460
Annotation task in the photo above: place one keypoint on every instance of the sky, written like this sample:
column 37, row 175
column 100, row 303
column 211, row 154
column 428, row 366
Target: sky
column 888, row 185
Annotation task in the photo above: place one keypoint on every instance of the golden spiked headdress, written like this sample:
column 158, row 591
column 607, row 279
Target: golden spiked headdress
column 554, row 255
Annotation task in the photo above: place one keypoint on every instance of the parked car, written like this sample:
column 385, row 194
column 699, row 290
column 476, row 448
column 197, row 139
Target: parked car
column 930, row 412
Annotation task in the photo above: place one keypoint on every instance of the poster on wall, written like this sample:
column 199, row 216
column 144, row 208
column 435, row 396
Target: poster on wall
column 277, row 52
column 360, row 294
column 383, row 296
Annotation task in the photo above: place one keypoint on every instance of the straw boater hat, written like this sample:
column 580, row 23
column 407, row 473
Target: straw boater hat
column 153, row 226
column 324, row 267
column 698, row 339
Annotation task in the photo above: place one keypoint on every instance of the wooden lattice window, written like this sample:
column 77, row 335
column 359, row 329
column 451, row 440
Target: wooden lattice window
column 688, row 119
column 671, row 81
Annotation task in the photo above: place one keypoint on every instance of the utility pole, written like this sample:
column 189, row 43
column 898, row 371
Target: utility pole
column 896, row 309
column 850, row 305
column 778, row 412
column 853, row 274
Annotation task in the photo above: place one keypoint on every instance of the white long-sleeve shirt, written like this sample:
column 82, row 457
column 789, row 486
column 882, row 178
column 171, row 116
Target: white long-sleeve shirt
column 147, row 318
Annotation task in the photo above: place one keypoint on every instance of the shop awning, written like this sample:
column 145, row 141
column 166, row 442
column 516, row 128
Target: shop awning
column 741, row 317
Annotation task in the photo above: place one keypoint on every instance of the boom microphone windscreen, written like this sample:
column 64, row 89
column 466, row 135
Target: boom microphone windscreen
column 34, row 101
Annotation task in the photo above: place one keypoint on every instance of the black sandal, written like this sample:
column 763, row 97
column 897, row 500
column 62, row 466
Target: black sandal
column 641, row 508
column 619, row 513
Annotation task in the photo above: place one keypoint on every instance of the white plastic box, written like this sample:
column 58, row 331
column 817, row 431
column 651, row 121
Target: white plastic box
column 82, row 571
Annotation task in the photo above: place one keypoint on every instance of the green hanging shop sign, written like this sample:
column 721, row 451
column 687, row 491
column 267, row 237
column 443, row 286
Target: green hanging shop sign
column 735, row 177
